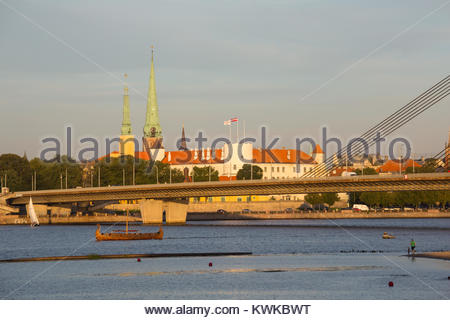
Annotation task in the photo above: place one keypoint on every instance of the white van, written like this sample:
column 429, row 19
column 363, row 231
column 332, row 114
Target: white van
column 360, row 207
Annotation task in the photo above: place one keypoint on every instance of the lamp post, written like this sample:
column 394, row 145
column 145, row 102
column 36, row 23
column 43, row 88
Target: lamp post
column 134, row 172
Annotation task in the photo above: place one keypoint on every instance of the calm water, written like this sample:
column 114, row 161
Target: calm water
column 292, row 259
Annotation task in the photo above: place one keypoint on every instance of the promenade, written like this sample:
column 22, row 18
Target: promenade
column 205, row 216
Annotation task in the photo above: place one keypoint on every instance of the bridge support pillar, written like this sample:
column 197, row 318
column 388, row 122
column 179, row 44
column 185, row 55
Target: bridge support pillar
column 151, row 211
column 40, row 209
column 175, row 212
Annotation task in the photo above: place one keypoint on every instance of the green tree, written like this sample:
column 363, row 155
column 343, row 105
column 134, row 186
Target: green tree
column 330, row 198
column 371, row 199
column 205, row 174
column 313, row 198
column 48, row 173
column 366, row 171
column 17, row 170
column 245, row 173
column 165, row 173
column 423, row 169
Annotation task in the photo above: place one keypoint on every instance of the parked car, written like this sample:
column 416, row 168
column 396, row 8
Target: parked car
column 288, row 210
column 221, row 211
column 320, row 207
column 245, row 210
column 305, row 207
column 360, row 207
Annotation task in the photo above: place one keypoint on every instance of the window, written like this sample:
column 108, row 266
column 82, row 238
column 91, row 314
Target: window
column 293, row 169
column 304, row 170
column 239, row 199
column 265, row 169
column 209, row 199
column 273, row 169
column 278, row 169
column 282, row 169
column 310, row 169
column 223, row 199
column 234, row 167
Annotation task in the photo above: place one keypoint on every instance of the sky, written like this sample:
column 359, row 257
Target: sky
column 292, row 66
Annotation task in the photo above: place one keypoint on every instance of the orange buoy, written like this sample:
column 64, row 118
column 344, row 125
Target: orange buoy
column 391, row 284
column 138, row 259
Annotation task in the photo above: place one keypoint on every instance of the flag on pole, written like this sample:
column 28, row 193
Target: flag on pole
column 228, row 122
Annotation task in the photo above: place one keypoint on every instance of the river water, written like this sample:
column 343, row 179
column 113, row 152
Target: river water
column 291, row 259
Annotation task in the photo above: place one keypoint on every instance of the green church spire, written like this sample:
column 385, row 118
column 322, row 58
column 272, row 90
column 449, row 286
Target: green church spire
column 152, row 127
column 126, row 123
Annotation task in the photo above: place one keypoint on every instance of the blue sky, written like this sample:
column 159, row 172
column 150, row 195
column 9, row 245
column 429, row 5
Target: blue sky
column 220, row 59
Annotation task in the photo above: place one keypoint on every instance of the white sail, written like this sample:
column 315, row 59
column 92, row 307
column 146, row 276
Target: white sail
column 33, row 217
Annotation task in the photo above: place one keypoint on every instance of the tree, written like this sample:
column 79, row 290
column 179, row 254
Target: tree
column 313, row 198
column 17, row 170
column 245, row 173
column 205, row 174
column 330, row 198
column 423, row 169
column 366, row 171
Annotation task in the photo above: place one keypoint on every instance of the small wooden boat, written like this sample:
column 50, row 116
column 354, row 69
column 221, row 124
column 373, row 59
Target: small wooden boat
column 388, row 236
column 128, row 234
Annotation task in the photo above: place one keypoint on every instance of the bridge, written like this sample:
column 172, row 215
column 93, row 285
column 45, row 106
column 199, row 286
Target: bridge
column 156, row 198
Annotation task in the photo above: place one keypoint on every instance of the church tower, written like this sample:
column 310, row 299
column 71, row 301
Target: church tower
column 152, row 140
column 127, row 145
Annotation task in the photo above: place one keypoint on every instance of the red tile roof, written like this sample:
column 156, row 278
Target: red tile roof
column 259, row 156
column 113, row 154
column 227, row 178
column 339, row 171
column 187, row 157
column 281, row 156
column 394, row 165
column 317, row 149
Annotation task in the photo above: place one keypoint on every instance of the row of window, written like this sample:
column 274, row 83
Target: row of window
column 282, row 169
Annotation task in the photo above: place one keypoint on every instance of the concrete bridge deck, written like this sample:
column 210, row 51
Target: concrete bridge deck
column 430, row 181
column 156, row 199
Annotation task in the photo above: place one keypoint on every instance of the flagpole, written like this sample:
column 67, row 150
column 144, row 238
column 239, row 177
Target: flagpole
column 230, row 146
column 237, row 131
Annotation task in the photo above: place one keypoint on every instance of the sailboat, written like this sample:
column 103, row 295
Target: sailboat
column 33, row 217
column 128, row 234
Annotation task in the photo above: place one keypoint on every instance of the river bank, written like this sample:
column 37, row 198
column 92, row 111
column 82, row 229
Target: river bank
column 444, row 255
column 212, row 216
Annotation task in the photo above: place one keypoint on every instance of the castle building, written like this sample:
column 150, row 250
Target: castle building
column 275, row 163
